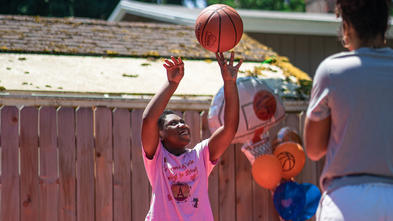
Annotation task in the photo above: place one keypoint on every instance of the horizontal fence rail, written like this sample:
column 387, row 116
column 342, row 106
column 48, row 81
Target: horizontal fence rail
column 85, row 164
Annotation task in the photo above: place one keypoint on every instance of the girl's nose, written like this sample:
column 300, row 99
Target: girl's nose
column 182, row 124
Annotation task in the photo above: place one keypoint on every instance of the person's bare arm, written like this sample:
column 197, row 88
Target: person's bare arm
column 222, row 137
column 316, row 137
column 157, row 105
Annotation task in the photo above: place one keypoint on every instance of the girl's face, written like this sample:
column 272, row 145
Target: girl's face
column 175, row 132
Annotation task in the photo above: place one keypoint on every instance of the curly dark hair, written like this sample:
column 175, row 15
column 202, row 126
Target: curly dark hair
column 161, row 119
column 370, row 18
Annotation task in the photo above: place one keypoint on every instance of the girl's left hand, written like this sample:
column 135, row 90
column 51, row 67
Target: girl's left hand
column 175, row 69
column 228, row 71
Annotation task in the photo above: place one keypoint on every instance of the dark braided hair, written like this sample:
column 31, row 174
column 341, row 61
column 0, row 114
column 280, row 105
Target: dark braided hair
column 370, row 18
column 161, row 119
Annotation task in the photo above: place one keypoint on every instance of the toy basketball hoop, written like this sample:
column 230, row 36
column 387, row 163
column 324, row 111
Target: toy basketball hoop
column 253, row 150
column 259, row 107
column 265, row 167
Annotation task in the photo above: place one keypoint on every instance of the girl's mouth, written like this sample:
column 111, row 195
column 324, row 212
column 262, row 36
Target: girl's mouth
column 184, row 132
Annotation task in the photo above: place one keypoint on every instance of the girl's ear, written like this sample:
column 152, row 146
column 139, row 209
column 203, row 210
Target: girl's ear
column 345, row 29
column 349, row 34
column 161, row 133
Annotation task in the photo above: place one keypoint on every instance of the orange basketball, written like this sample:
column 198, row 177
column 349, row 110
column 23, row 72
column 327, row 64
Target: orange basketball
column 292, row 158
column 218, row 28
column 266, row 171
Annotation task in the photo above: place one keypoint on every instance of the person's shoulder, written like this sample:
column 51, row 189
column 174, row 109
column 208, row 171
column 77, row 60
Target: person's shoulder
column 385, row 52
column 201, row 145
column 337, row 56
column 331, row 61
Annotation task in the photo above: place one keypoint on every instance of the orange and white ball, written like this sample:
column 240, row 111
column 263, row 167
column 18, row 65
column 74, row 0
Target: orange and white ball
column 291, row 157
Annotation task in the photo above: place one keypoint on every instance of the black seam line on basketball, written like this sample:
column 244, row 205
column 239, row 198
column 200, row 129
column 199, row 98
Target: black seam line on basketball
column 219, row 26
column 202, row 13
column 204, row 26
column 233, row 24
column 220, row 8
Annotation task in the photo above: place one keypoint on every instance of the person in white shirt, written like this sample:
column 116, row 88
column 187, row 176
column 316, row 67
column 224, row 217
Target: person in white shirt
column 349, row 120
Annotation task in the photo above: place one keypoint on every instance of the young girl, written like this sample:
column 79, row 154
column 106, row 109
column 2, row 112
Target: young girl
column 178, row 175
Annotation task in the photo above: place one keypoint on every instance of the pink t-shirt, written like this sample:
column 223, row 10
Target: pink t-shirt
column 180, row 184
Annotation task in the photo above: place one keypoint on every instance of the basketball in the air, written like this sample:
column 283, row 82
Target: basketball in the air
column 266, row 171
column 292, row 158
column 218, row 28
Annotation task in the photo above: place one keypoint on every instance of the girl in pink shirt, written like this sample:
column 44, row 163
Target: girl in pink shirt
column 179, row 176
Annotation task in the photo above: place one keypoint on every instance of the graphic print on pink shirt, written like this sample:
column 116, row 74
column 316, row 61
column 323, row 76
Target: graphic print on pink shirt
column 181, row 178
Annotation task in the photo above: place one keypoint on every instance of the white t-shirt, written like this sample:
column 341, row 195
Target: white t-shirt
column 356, row 89
column 180, row 184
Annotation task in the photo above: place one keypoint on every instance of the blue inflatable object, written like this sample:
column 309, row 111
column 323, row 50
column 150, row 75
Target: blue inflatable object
column 289, row 199
column 313, row 195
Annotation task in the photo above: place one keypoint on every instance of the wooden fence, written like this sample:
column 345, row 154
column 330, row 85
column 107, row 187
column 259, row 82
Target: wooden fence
column 84, row 164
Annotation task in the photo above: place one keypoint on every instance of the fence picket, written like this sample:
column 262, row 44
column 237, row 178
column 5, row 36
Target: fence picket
column 30, row 199
column 48, row 164
column 243, row 186
column 193, row 119
column 122, row 165
column 85, row 164
column 213, row 178
column 140, row 184
column 104, row 193
column 227, row 184
column 67, row 159
column 263, row 207
column 9, row 164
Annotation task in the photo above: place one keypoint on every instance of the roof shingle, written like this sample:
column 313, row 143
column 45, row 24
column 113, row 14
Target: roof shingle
column 80, row 36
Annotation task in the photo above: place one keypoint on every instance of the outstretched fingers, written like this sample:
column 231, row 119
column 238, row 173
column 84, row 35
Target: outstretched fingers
column 239, row 64
column 180, row 61
column 168, row 64
column 177, row 61
column 174, row 60
column 221, row 58
column 218, row 57
column 222, row 61
column 231, row 59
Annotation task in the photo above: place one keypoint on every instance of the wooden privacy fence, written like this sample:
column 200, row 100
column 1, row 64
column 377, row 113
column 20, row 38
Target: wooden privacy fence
column 85, row 164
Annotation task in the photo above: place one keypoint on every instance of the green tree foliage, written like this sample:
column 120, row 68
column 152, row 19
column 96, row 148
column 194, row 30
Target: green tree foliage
column 100, row 9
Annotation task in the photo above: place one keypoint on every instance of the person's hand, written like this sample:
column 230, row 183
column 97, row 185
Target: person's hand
column 228, row 71
column 174, row 69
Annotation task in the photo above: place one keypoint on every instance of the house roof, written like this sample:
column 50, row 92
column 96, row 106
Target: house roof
column 43, row 79
column 93, row 62
column 77, row 36
column 254, row 20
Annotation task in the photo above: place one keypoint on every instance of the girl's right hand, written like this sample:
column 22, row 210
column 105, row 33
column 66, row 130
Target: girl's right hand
column 174, row 69
column 228, row 70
